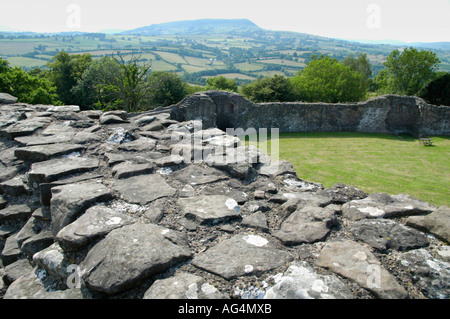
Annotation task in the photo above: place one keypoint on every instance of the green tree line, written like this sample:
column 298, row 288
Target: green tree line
column 127, row 82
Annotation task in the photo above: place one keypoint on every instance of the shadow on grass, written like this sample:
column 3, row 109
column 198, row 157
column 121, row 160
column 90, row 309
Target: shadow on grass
column 399, row 137
column 350, row 135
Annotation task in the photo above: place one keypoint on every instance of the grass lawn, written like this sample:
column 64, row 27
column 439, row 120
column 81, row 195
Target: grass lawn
column 372, row 162
column 19, row 61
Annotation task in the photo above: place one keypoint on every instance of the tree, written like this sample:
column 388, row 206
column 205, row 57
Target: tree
column 165, row 89
column 382, row 83
column 360, row 64
column 26, row 87
column 65, row 71
column 276, row 88
column 411, row 70
column 114, row 83
column 97, row 87
column 437, row 91
column 132, row 84
column 221, row 83
column 325, row 79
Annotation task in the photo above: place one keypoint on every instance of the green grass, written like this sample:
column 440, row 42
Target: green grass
column 160, row 65
column 246, row 67
column 283, row 62
column 19, row 61
column 197, row 61
column 372, row 162
column 234, row 76
column 171, row 57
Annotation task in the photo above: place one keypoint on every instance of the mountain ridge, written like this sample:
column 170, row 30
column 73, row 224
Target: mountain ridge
column 222, row 26
column 200, row 26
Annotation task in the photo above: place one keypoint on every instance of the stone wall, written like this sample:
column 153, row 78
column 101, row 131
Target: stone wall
column 99, row 205
column 385, row 114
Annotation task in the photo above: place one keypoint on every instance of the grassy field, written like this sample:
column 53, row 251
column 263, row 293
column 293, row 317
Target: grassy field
column 372, row 162
column 19, row 61
column 250, row 53
column 234, row 76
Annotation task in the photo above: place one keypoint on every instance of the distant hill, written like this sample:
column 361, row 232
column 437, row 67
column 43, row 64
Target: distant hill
column 239, row 49
column 423, row 45
column 432, row 45
column 192, row 27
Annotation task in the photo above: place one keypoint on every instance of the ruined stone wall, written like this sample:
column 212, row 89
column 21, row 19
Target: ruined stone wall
column 385, row 114
column 102, row 205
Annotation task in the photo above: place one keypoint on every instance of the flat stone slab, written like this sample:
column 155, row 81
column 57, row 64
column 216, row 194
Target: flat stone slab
column 96, row 222
column 237, row 168
column 197, row 175
column 6, row 173
column 430, row 275
column 30, row 286
column 8, row 118
column 6, row 98
column 342, row 193
column 39, row 153
column 71, row 200
column 111, row 119
column 15, row 270
column 276, row 168
column 86, row 138
column 15, row 212
column 52, row 170
column 131, row 254
column 135, row 158
column 139, row 145
column 301, row 281
column 307, row 225
column 8, row 158
column 386, row 234
column 11, row 251
column 238, row 195
column 35, row 139
column 302, row 198
column 257, row 220
column 37, row 243
column 170, row 160
column 381, row 205
column 143, row 189
column 25, row 127
column 241, row 255
column 127, row 169
column 354, row 261
column 58, row 129
column 182, row 286
column 15, row 186
column 436, row 223
column 143, row 119
column 206, row 209
column 223, row 141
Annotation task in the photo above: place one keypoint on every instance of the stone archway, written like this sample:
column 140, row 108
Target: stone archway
column 226, row 117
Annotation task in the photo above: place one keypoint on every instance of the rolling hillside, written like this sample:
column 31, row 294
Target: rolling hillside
column 200, row 49
column 202, row 26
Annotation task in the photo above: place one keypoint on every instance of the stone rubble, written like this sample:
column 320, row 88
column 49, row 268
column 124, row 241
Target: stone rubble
column 117, row 205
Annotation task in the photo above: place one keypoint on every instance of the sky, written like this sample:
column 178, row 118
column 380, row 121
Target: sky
column 403, row 20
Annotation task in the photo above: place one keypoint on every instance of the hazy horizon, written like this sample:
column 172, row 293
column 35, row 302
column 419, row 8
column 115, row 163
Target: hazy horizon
column 368, row 20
